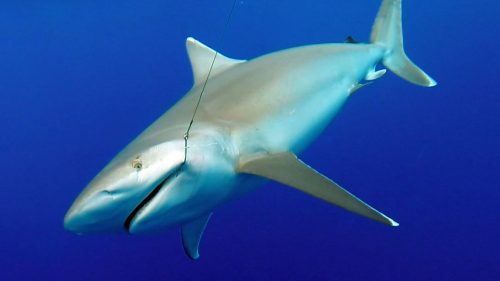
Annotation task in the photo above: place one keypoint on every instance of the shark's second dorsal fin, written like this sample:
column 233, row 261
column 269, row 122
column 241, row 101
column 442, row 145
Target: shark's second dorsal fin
column 287, row 169
column 351, row 40
column 201, row 58
column 191, row 235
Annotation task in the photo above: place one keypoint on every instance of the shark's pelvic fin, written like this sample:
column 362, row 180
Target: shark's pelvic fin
column 191, row 235
column 387, row 31
column 287, row 169
column 358, row 86
column 201, row 58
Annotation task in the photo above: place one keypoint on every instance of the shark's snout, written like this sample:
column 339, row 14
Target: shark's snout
column 90, row 213
column 71, row 221
column 114, row 196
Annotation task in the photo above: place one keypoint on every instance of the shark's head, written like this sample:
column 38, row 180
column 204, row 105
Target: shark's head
column 122, row 185
column 149, row 187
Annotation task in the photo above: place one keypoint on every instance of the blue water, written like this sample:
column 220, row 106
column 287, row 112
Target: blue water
column 80, row 79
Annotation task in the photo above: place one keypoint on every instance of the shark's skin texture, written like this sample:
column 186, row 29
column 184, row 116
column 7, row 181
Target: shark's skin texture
column 275, row 103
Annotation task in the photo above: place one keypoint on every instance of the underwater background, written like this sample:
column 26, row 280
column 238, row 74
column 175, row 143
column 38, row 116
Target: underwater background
column 80, row 79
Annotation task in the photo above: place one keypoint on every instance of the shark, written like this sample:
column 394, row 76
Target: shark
column 254, row 118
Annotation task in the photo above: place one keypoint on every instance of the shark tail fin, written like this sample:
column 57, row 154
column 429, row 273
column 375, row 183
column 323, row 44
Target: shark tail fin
column 387, row 32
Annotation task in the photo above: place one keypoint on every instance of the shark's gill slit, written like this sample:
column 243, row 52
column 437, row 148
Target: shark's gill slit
column 148, row 198
column 221, row 40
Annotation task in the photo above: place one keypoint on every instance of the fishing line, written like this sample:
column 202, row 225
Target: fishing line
column 221, row 41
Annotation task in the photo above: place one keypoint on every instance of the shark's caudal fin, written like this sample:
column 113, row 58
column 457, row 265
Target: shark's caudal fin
column 387, row 32
column 287, row 169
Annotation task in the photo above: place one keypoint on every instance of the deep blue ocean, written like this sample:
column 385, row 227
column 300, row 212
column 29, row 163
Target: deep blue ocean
column 80, row 79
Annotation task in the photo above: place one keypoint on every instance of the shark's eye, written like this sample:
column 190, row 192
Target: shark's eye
column 137, row 163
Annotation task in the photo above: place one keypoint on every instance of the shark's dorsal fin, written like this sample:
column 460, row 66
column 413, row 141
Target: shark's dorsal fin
column 287, row 169
column 201, row 58
column 351, row 40
column 191, row 235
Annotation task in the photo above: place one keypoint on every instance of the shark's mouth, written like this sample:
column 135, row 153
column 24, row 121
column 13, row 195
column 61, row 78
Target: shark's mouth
column 144, row 203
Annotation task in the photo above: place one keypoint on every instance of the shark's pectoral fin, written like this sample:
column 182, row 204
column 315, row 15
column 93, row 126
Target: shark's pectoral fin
column 286, row 168
column 191, row 235
column 202, row 60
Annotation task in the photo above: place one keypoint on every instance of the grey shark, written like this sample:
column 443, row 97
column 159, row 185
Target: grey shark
column 255, row 116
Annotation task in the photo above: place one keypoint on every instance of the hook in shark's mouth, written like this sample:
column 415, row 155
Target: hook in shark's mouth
column 149, row 198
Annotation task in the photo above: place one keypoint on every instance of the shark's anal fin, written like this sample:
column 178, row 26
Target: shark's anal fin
column 191, row 235
column 287, row 169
